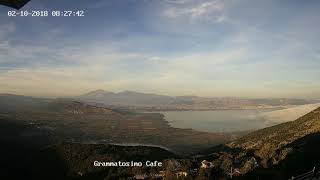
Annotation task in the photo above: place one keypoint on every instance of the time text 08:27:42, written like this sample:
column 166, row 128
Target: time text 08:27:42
column 77, row 13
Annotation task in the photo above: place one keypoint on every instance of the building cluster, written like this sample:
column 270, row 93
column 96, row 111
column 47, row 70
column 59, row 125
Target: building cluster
column 206, row 165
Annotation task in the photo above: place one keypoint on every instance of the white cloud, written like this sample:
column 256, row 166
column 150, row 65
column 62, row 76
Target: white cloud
column 212, row 11
column 176, row 57
column 174, row 72
column 178, row 1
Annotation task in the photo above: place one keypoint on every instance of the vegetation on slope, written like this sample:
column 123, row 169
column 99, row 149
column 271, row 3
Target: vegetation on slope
column 275, row 152
column 265, row 142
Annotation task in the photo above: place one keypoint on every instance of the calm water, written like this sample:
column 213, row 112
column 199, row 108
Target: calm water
column 217, row 121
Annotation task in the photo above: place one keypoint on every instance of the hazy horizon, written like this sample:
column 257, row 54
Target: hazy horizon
column 208, row 48
column 152, row 93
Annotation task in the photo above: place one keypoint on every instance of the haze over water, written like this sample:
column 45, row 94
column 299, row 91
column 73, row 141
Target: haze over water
column 219, row 120
column 235, row 120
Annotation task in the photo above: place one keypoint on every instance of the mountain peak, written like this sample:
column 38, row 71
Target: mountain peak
column 129, row 92
column 98, row 91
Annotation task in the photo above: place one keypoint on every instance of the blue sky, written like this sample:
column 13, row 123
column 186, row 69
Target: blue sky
column 242, row 48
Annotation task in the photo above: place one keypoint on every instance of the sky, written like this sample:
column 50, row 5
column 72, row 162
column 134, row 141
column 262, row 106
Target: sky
column 217, row 48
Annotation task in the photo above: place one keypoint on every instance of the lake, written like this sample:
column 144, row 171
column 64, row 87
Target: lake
column 218, row 120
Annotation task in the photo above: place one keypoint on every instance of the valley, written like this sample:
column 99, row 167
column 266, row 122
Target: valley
column 69, row 136
column 80, row 122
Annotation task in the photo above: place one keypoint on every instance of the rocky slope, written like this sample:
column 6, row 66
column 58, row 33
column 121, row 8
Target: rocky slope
column 265, row 142
column 272, row 151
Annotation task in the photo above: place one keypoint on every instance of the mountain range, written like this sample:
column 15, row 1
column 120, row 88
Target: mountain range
column 137, row 100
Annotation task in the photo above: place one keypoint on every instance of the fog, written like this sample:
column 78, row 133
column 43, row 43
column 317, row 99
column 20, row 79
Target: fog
column 289, row 114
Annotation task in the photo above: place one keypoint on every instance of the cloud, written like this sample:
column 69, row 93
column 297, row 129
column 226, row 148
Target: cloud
column 99, row 4
column 114, row 71
column 211, row 11
column 201, row 47
column 6, row 30
column 178, row 1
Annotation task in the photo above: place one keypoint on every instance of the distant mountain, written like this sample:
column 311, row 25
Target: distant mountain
column 144, row 101
column 17, row 103
column 9, row 102
column 126, row 98
column 160, row 102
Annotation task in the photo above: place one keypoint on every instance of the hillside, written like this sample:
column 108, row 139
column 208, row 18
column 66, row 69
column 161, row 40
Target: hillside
column 16, row 103
column 265, row 141
column 76, row 107
column 76, row 161
column 279, row 152
column 303, row 156
column 41, row 155
column 11, row 102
